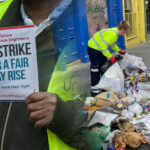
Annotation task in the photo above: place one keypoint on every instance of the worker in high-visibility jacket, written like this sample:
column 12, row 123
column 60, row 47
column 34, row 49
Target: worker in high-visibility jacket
column 98, row 51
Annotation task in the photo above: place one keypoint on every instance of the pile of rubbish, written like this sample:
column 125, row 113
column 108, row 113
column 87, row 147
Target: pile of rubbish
column 119, row 119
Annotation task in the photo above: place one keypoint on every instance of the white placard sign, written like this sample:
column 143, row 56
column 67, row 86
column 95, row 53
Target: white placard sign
column 18, row 63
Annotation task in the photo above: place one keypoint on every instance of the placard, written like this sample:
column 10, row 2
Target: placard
column 18, row 63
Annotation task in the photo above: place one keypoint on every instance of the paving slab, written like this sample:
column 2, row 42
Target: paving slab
column 142, row 50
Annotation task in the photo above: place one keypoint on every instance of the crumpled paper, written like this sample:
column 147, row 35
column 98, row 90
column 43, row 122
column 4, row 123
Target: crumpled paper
column 132, row 139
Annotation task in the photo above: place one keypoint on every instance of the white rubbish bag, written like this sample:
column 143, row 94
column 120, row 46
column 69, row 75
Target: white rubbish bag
column 113, row 79
column 145, row 93
column 144, row 89
column 128, row 114
column 136, row 109
column 132, row 61
column 144, row 85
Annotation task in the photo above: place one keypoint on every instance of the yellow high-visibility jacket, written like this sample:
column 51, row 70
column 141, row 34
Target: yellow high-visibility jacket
column 3, row 7
column 55, row 143
column 104, row 39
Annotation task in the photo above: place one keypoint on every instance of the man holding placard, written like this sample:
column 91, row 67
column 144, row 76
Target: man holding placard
column 19, row 82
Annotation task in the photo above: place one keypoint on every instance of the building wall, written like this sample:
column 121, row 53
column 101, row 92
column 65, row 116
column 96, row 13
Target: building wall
column 137, row 20
column 97, row 15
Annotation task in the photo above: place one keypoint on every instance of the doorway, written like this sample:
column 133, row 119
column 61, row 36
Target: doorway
column 147, row 13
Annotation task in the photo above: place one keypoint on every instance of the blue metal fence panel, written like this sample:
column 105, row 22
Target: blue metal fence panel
column 71, row 32
column 65, row 35
column 115, row 15
column 82, row 28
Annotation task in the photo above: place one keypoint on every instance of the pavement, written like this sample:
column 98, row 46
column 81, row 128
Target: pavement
column 142, row 50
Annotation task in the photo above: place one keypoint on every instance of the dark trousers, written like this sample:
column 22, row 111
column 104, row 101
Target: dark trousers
column 97, row 61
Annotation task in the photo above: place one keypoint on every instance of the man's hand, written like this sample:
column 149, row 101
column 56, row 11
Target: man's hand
column 40, row 108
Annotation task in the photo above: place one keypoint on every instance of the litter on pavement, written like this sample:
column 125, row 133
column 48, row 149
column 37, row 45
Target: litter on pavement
column 119, row 119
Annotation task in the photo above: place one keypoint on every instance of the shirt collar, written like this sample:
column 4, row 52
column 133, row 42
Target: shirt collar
column 50, row 20
column 28, row 21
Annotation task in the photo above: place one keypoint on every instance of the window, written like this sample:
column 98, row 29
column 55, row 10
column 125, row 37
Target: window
column 147, row 6
column 131, row 17
column 128, row 6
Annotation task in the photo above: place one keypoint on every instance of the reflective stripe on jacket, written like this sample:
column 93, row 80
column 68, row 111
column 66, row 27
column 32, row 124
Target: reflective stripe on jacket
column 55, row 143
column 104, row 39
